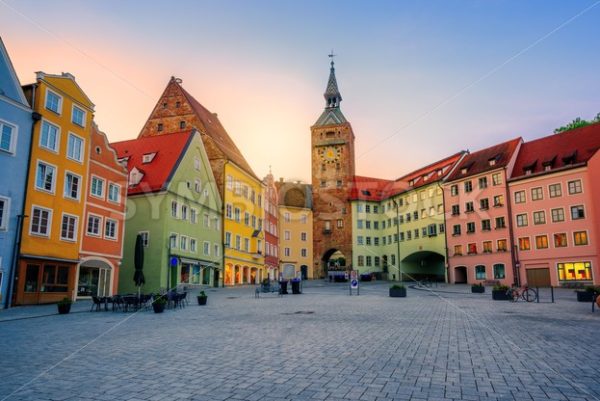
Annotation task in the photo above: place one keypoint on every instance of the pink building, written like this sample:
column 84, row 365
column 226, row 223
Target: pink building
column 478, row 228
column 271, row 201
column 555, row 195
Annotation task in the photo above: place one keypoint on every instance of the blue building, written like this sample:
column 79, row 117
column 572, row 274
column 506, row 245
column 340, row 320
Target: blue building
column 15, row 137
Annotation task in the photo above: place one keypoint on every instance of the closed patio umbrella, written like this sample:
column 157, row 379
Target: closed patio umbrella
column 138, row 262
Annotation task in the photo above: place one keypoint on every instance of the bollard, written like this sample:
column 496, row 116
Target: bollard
column 538, row 294
column 552, row 293
column 594, row 301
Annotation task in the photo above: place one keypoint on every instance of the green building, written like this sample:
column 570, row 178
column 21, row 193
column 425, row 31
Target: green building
column 398, row 226
column 173, row 202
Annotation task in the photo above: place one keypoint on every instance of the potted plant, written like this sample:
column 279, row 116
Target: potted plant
column 499, row 293
column 478, row 288
column 587, row 294
column 202, row 298
column 64, row 306
column 397, row 291
column 158, row 303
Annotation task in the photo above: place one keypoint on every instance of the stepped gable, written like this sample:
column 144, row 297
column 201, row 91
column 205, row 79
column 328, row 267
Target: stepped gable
column 214, row 129
column 479, row 162
column 561, row 151
column 168, row 149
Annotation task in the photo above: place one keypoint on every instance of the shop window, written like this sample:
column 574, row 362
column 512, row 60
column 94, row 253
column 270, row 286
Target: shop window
column 574, row 271
column 32, row 278
column 55, row 278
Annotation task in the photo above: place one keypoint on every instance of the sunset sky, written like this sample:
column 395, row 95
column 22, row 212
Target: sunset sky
column 420, row 80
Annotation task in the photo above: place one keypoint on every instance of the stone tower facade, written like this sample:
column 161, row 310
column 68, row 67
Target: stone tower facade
column 333, row 169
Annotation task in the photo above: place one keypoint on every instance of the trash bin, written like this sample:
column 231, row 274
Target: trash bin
column 296, row 287
column 283, row 286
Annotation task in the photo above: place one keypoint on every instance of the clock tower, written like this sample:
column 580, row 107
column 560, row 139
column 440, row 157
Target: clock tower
column 332, row 155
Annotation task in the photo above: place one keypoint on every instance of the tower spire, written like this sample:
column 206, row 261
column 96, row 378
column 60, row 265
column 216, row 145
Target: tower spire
column 332, row 93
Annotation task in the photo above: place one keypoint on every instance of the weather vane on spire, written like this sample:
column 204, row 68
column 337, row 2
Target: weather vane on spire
column 331, row 56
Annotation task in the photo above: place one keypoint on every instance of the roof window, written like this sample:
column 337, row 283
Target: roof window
column 148, row 157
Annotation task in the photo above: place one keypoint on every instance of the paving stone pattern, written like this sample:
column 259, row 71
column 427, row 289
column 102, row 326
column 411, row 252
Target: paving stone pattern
column 429, row 346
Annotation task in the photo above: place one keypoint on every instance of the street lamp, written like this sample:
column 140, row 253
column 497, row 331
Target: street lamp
column 399, row 266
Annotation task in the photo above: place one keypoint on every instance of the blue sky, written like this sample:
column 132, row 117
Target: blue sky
column 402, row 68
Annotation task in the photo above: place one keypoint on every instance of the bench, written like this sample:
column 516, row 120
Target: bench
column 267, row 289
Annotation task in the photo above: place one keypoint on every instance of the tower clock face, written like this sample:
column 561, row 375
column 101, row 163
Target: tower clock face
column 331, row 154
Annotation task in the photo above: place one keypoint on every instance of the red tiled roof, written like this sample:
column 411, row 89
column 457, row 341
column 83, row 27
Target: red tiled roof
column 368, row 188
column 559, row 151
column 479, row 162
column 376, row 189
column 157, row 173
column 214, row 129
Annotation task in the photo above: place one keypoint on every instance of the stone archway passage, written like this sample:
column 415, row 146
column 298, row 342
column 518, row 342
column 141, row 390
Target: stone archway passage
column 423, row 265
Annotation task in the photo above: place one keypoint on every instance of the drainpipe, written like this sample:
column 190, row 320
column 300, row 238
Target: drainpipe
column 513, row 249
column 35, row 116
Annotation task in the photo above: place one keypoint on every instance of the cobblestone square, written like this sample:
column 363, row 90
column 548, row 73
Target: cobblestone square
column 439, row 344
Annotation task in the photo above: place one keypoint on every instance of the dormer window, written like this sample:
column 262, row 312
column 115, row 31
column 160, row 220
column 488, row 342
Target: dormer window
column 123, row 160
column 182, row 125
column 148, row 157
column 570, row 159
column 464, row 170
column 135, row 176
column 492, row 162
column 159, row 127
column 530, row 168
column 366, row 192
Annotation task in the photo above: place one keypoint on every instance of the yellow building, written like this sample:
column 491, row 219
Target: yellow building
column 243, row 227
column 295, row 230
column 55, row 197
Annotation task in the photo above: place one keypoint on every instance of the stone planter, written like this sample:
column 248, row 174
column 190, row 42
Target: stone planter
column 202, row 300
column 585, row 296
column 477, row 289
column 398, row 292
column 500, row 295
column 158, row 308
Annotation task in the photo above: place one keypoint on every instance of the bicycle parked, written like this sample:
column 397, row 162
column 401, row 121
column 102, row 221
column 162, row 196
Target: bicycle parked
column 526, row 294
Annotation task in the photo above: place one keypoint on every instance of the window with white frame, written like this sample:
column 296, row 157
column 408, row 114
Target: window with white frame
column 238, row 242
column 574, row 187
column 193, row 215
column 72, row 184
column 193, row 245
column 286, row 235
column 287, row 252
column 93, row 225
column 45, row 177
column 184, row 212
column 206, row 248
column 75, row 148
column 110, row 229
column 303, row 252
column 41, row 220
column 68, row 229
column 303, row 219
column 173, row 241
column 8, row 134
column 227, row 240
column 49, row 136
column 174, row 209
column 183, row 243
column 303, row 236
column 197, row 164
column 217, row 250
column 114, row 193
column 53, row 102
column 206, row 220
column 247, row 244
column 78, row 116
column 4, row 212
column 97, row 187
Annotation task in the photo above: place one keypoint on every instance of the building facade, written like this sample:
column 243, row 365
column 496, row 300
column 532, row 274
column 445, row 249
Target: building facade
column 240, row 189
column 15, row 138
column 554, row 190
column 271, row 226
column 478, row 221
column 103, row 222
column 332, row 161
column 295, row 230
column 55, row 197
column 174, row 204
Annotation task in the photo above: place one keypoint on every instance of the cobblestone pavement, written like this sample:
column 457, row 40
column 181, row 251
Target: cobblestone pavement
column 321, row 345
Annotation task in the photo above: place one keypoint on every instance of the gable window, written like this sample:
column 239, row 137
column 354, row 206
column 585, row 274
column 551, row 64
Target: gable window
column 68, row 230
column 555, row 190
column 574, row 187
column 97, row 187
column 72, row 183
column 7, row 137
column 49, row 136
column 93, row 225
column 114, row 193
column 75, row 148
column 40, row 221
column 159, row 127
column 78, row 116
column 53, row 102
column 45, row 177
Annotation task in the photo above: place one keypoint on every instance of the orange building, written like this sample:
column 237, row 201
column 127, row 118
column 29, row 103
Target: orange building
column 102, row 249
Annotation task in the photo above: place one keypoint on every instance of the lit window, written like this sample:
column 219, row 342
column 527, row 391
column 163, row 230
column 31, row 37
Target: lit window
column 524, row 244
column 560, row 240
column 541, row 241
column 574, row 271
column 580, row 238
